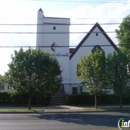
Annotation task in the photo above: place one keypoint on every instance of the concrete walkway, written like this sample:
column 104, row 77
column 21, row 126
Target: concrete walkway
column 67, row 108
column 62, row 108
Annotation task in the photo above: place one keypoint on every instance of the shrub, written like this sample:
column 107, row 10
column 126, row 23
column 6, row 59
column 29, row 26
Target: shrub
column 8, row 98
column 86, row 99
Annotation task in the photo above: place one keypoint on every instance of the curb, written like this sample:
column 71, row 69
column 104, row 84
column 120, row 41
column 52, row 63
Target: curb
column 58, row 112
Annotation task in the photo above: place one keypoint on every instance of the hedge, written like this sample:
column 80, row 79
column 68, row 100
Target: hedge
column 86, row 99
column 7, row 98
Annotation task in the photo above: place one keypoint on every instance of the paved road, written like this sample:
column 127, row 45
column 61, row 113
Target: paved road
column 75, row 121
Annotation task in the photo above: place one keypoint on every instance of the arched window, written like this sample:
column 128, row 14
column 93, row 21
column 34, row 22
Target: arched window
column 78, row 73
column 97, row 47
column 2, row 86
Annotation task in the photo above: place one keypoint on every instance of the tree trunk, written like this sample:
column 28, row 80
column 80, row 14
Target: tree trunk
column 29, row 101
column 121, row 95
column 96, row 101
column 30, row 95
column 121, row 100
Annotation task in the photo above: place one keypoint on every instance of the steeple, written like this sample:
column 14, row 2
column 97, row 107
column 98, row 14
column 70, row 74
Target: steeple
column 40, row 13
column 40, row 10
column 40, row 21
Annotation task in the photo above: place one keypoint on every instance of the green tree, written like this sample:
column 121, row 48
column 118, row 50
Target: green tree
column 117, row 63
column 91, row 71
column 123, row 33
column 34, row 71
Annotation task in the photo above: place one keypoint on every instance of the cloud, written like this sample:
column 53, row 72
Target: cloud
column 104, row 13
column 109, row 12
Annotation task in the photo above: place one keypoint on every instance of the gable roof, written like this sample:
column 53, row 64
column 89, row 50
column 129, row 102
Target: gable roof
column 88, row 34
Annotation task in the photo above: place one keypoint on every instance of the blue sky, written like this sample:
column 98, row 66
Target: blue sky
column 25, row 11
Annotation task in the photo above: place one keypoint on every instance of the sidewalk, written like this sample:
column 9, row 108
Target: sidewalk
column 67, row 108
column 62, row 108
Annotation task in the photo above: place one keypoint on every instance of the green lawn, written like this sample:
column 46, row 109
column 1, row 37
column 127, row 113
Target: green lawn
column 108, row 109
column 41, row 110
column 21, row 110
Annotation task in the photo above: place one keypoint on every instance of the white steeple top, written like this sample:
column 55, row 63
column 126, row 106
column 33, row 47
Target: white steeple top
column 40, row 13
column 40, row 10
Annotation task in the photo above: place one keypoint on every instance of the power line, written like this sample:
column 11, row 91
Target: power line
column 50, row 46
column 79, row 24
column 95, row 18
column 63, row 17
column 52, row 32
column 50, row 24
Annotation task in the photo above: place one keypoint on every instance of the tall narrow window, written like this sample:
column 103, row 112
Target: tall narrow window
column 78, row 72
column 8, row 87
column 3, row 87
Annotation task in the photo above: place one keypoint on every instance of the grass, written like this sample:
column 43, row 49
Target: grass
column 83, row 108
column 107, row 109
column 24, row 110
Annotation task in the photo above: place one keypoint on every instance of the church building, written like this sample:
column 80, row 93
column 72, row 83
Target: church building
column 53, row 36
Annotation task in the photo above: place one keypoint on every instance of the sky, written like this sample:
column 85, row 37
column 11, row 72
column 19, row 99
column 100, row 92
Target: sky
column 79, row 11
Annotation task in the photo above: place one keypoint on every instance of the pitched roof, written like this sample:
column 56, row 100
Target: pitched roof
column 88, row 34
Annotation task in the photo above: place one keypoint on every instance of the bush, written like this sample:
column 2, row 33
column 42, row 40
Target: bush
column 13, row 98
column 86, row 99
column 4, row 98
column 80, row 99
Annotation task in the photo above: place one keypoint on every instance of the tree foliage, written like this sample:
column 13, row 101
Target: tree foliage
column 91, row 71
column 123, row 33
column 117, row 63
column 34, row 71
column 123, row 36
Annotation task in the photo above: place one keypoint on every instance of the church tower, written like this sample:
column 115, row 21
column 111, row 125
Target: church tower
column 40, row 27
column 53, row 36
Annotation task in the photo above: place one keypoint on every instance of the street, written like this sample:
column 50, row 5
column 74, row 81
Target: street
column 62, row 121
